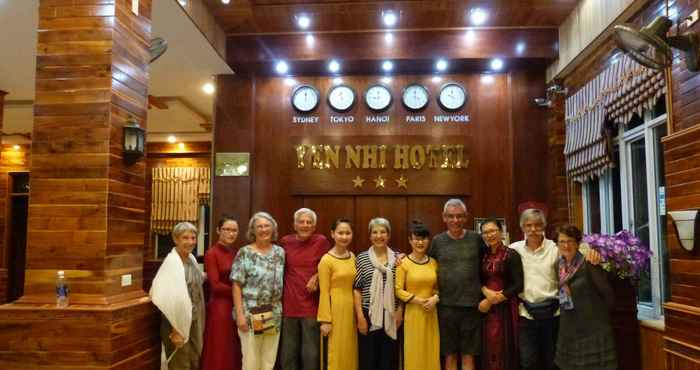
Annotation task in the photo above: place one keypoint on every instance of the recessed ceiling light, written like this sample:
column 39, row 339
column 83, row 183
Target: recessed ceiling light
column 303, row 21
column 388, row 37
column 310, row 40
column 389, row 18
column 172, row 139
column 208, row 88
column 386, row 80
column 337, row 81
column 441, row 65
column 334, row 66
column 225, row 1
column 281, row 67
column 496, row 64
column 478, row 16
column 387, row 66
column 520, row 47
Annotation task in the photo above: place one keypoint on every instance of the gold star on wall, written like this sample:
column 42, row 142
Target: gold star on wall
column 358, row 181
column 379, row 181
column 402, row 182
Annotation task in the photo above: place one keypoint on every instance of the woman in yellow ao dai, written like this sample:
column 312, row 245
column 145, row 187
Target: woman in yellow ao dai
column 336, row 274
column 416, row 286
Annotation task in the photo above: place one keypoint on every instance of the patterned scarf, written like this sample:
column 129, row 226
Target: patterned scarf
column 566, row 272
column 381, row 296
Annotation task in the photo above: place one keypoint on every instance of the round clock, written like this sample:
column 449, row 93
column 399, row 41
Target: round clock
column 341, row 98
column 415, row 97
column 452, row 97
column 378, row 98
column 305, row 98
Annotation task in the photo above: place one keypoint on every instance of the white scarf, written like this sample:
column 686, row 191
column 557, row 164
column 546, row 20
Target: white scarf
column 169, row 293
column 381, row 294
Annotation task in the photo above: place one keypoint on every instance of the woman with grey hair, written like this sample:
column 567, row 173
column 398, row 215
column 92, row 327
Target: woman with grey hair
column 177, row 292
column 378, row 318
column 257, row 274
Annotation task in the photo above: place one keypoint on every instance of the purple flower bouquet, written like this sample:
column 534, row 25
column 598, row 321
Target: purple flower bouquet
column 623, row 253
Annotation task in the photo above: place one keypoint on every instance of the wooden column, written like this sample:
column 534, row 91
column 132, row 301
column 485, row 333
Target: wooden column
column 3, row 197
column 86, row 210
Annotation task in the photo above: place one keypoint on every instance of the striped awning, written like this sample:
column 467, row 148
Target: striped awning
column 614, row 95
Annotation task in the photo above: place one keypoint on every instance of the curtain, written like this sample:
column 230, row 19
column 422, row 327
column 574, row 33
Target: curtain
column 176, row 194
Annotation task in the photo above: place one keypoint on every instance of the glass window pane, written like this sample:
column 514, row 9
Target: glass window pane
column 617, row 191
column 640, row 207
column 659, row 132
column 594, row 205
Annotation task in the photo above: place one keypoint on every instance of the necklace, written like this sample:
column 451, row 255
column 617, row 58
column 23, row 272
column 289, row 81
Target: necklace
column 422, row 261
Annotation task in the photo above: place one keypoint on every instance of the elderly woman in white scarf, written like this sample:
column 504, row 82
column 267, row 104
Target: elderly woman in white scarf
column 177, row 292
column 378, row 316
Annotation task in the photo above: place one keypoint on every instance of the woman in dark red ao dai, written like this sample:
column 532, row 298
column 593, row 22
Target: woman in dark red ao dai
column 502, row 279
column 222, row 347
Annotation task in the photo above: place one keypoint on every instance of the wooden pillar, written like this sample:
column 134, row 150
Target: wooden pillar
column 3, row 196
column 86, row 210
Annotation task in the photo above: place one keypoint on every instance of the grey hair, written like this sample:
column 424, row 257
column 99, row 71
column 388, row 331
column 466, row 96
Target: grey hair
column 380, row 221
column 305, row 211
column 454, row 202
column 532, row 213
column 182, row 228
column 250, row 233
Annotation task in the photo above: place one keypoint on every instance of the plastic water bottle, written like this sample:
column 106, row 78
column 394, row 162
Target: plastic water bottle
column 61, row 290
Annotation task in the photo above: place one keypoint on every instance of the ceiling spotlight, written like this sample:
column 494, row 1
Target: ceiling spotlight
column 225, row 1
column 388, row 37
column 387, row 66
column 303, row 21
column 334, row 66
column 282, row 67
column 520, row 47
column 487, row 79
column 496, row 64
column 441, row 65
column 172, row 139
column 310, row 40
column 543, row 102
column 389, row 18
column 478, row 16
column 208, row 88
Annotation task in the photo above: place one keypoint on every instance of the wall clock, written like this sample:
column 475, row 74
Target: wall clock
column 378, row 98
column 341, row 98
column 415, row 97
column 305, row 98
column 452, row 97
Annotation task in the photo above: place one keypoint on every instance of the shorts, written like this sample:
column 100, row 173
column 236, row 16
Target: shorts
column 460, row 330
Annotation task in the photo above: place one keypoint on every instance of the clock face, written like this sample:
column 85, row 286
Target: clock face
column 341, row 98
column 305, row 98
column 452, row 97
column 415, row 97
column 378, row 98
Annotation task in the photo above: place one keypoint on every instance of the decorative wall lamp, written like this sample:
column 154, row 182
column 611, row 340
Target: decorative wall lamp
column 134, row 138
column 687, row 226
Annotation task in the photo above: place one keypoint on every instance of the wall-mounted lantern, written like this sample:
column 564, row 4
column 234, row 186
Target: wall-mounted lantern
column 134, row 138
column 687, row 227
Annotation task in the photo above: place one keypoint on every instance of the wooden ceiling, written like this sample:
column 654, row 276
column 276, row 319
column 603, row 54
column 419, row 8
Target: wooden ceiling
column 278, row 16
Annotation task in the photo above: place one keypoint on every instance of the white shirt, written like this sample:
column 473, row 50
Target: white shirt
column 540, row 272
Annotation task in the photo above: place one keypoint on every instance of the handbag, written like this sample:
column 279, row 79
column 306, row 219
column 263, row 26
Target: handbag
column 261, row 319
column 542, row 310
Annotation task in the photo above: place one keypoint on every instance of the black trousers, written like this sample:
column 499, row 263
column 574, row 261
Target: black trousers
column 538, row 343
column 377, row 351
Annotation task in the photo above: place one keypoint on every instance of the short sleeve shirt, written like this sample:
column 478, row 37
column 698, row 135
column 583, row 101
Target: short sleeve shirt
column 261, row 278
column 459, row 277
column 301, row 263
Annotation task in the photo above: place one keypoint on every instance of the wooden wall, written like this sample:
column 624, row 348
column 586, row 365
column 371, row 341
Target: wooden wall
column 87, row 205
column 505, row 142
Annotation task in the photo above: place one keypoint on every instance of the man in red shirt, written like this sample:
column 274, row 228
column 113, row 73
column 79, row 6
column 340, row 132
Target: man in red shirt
column 300, row 330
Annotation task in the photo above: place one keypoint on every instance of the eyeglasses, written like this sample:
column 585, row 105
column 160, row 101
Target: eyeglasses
column 490, row 232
